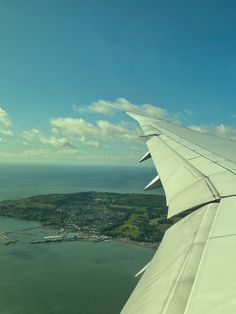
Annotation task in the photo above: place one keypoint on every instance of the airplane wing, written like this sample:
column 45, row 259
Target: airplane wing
column 194, row 269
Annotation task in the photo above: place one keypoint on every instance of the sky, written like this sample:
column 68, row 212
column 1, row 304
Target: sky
column 70, row 68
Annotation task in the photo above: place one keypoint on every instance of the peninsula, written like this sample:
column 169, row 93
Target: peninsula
column 131, row 217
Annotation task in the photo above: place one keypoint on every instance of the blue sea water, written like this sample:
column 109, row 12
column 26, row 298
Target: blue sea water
column 23, row 180
column 68, row 277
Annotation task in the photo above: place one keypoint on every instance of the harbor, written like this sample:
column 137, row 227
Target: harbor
column 12, row 237
column 76, row 237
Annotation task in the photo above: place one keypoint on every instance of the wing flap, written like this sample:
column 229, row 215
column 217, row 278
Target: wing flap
column 225, row 182
column 167, row 282
column 213, row 291
column 185, row 186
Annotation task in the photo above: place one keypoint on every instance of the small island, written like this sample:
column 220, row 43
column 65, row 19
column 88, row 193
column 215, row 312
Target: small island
column 95, row 216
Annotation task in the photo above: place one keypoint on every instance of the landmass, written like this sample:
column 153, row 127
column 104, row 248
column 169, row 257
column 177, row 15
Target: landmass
column 94, row 216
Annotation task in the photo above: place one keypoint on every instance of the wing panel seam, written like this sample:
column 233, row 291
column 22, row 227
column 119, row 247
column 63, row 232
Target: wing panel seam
column 196, row 172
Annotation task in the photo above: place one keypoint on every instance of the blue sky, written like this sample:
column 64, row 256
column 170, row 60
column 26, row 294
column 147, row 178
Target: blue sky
column 68, row 69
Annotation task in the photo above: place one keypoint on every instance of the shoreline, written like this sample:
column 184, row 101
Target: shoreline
column 149, row 245
column 87, row 237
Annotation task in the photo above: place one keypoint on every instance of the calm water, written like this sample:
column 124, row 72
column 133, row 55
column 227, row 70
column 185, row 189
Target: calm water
column 19, row 181
column 68, row 277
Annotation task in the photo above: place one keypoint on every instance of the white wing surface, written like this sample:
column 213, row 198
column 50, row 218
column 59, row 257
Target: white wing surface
column 194, row 269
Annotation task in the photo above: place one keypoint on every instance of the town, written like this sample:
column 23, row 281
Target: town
column 94, row 216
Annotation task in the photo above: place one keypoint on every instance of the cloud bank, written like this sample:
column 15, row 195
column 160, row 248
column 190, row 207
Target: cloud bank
column 102, row 130
column 84, row 137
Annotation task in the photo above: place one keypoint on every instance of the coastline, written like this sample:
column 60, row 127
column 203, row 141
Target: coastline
column 149, row 245
column 62, row 237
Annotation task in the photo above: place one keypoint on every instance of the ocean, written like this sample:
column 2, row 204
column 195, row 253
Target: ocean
column 23, row 180
column 68, row 277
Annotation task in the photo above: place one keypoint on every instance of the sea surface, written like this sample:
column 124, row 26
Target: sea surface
column 22, row 180
column 66, row 277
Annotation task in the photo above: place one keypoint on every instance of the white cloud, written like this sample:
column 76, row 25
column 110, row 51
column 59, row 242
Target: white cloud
column 43, row 155
column 67, row 134
column 73, row 127
column 220, row 130
column 57, row 142
column 54, row 140
column 37, row 135
column 107, row 130
column 5, row 123
column 82, row 130
column 83, row 140
column 5, row 119
column 6, row 132
column 121, row 104
column 30, row 135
